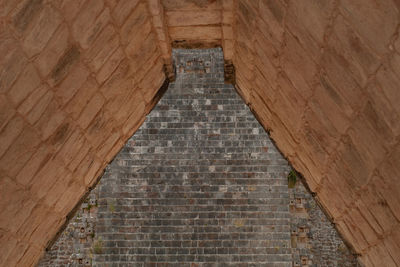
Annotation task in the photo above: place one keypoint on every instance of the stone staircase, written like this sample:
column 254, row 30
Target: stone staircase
column 201, row 184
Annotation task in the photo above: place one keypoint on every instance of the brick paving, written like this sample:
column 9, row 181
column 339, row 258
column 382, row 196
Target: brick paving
column 201, row 184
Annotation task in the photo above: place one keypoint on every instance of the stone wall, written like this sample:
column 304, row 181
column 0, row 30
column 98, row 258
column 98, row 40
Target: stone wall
column 76, row 80
column 323, row 77
column 199, row 184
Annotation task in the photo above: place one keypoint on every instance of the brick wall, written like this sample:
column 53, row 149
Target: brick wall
column 322, row 75
column 199, row 184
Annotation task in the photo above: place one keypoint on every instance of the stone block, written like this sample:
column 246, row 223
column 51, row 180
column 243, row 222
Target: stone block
column 353, row 235
column 138, row 17
column 81, row 98
column 143, row 31
column 227, row 32
column 368, row 141
column 227, row 18
column 71, row 147
column 263, row 89
column 69, row 197
column 387, row 79
column 50, row 120
column 270, row 21
column 110, row 66
column 113, row 85
column 123, row 9
column 313, row 17
column 79, row 157
column 39, row 107
column 289, row 104
column 7, row 111
column 367, row 213
column 195, row 33
column 155, row 7
column 71, row 8
column 378, row 255
column 266, row 69
column 38, row 159
column 387, row 187
column 20, row 249
column 328, row 104
column 103, row 47
column 10, row 132
column 47, row 176
column 339, row 75
column 7, row 7
column 55, row 48
column 93, row 172
column 71, row 84
column 386, row 109
column 100, row 128
column 122, row 105
column 361, row 226
column 317, row 133
column 10, row 242
column 362, row 61
column 185, row 5
column 392, row 245
column 108, row 144
column 379, row 207
column 373, row 21
column 284, row 138
column 244, row 67
column 299, row 68
column 24, row 85
column 26, row 12
column 355, row 162
column 92, row 17
column 337, row 175
column 13, row 200
column 193, row 18
column 65, row 63
column 20, row 151
column 12, row 63
column 150, row 85
column 229, row 49
column 33, row 99
column 89, row 112
column 373, row 117
column 31, row 255
column 46, row 229
column 142, row 61
column 42, row 30
column 266, row 52
column 134, row 120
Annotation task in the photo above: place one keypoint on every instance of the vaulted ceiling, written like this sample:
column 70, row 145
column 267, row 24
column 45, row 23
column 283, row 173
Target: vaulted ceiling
column 78, row 77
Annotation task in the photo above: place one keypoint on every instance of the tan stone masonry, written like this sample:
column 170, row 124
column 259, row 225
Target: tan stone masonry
column 77, row 78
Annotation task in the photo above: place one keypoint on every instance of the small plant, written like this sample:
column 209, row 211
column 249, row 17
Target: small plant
column 98, row 246
column 111, row 206
column 292, row 178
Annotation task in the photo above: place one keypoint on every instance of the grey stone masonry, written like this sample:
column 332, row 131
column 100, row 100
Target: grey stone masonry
column 201, row 184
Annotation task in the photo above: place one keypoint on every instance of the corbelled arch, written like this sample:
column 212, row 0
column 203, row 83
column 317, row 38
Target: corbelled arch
column 77, row 79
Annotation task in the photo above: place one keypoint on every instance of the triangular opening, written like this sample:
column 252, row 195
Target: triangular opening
column 199, row 184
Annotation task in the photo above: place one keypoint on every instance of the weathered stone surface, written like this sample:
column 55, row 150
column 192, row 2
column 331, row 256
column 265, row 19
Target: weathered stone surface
column 199, row 184
column 333, row 62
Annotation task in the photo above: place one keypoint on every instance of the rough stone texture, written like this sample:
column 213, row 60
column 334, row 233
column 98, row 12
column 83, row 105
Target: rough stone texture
column 321, row 75
column 199, row 184
column 76, row 244
column 69, row 77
